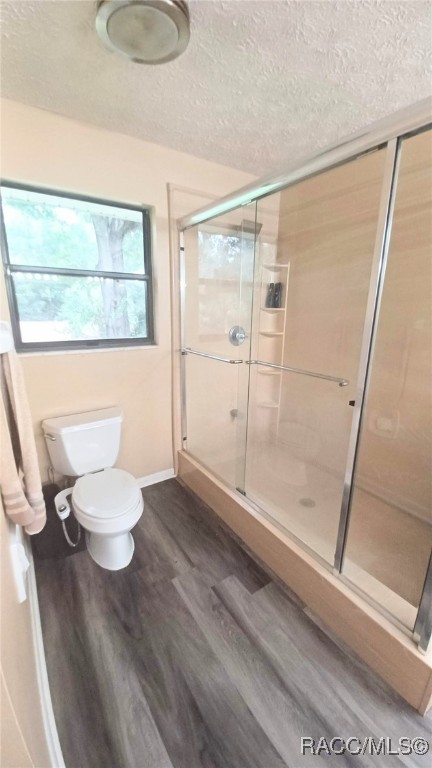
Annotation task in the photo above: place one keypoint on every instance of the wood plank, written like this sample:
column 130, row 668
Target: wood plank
column 273, row 703
column 99, row 714
column 201, row 538
column 338, row 688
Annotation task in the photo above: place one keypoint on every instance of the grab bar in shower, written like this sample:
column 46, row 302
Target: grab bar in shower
column 189, row 351
column 341, row 382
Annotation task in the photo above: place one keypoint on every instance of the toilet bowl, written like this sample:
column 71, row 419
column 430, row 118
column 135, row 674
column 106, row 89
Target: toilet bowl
column 108, row 504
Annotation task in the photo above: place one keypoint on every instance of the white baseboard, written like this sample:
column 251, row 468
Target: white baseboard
column 51, row 735
column 157, row 477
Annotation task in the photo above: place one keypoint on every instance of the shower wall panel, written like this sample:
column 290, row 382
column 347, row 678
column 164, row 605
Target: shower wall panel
column 323, row 254
column 390, row 532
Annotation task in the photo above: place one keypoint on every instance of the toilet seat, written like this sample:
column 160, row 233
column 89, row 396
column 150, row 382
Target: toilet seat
column 106, row 495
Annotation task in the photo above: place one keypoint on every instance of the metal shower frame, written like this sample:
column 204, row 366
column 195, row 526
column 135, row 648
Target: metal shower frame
column 385, row 134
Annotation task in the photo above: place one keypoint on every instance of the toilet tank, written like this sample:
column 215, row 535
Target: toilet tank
column 83, row 442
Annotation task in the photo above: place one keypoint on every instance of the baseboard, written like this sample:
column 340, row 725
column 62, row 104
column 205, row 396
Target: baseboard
column 157, row 477
column 51, row 735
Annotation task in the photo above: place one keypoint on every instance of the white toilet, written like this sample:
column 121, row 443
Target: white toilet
column 107, row 502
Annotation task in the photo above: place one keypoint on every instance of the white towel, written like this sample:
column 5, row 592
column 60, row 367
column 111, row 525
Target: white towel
column 20, row 481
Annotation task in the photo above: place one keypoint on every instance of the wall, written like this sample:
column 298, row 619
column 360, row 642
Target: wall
column 396, row 447
column 327, row 233
column 44, row 149
column 22, row 734
column 322, row 256
column 391, row 507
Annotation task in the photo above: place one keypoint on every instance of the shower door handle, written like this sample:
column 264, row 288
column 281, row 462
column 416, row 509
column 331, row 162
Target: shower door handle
column 189, row 351
column 316, row 375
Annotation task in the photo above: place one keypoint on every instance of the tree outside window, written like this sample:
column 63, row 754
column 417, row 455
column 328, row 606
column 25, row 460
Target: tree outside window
column 79, row 270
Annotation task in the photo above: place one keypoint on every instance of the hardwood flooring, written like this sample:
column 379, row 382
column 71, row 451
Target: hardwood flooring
column 194, row 657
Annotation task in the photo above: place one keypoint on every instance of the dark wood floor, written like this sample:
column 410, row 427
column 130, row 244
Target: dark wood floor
column 193, row 657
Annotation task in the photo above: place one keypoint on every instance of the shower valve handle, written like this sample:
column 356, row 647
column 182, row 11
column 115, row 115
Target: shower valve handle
column 237, row 335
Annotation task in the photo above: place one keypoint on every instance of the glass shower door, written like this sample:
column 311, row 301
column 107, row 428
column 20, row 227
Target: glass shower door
column 306, row 346
column 218, row 274
column 389, row 541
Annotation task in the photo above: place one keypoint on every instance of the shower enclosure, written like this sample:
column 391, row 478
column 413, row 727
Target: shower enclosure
column 306, row 359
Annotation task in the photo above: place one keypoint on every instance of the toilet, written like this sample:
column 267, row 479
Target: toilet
column 107, row 502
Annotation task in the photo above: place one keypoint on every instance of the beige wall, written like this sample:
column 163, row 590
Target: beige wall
column 322, row 255
column 22, row 734
column 327, row 235
column 396, row 449
column 394, row 466
column 44, row 149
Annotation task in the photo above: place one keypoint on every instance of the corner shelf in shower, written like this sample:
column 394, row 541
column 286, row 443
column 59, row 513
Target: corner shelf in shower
column 275, row 267
column 272, row 327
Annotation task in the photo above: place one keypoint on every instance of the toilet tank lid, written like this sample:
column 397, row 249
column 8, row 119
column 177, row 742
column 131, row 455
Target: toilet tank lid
column 78, row 421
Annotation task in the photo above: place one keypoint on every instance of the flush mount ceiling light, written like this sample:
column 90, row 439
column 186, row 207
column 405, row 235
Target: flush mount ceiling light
column 146, row 31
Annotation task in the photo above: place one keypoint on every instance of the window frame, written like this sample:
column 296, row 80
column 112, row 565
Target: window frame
column 78, row 344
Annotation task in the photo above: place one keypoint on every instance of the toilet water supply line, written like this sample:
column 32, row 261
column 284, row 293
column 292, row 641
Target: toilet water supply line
column 63, row 510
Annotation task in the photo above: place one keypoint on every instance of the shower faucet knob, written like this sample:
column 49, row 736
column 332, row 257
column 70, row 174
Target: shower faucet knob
column 237, row 335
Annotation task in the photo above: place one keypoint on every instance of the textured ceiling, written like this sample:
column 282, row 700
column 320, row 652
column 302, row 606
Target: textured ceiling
column 261, row 83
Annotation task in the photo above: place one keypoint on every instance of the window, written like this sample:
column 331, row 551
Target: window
column 225, row 267
column 78, row 271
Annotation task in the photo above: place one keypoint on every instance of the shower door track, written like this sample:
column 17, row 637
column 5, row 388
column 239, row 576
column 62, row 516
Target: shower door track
column 408, row 121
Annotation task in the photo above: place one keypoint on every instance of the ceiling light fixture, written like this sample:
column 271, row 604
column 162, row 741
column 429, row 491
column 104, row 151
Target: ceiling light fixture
column 146, row 31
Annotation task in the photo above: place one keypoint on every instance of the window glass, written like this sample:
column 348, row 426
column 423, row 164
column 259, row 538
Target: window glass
column 63, row 308
column 57, row 250
column 224, row 259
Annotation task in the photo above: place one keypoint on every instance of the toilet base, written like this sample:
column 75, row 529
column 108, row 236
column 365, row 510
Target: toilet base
column 111, row 552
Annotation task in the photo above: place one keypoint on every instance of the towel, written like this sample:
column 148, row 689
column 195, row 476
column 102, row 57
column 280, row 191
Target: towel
column 20, row 480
